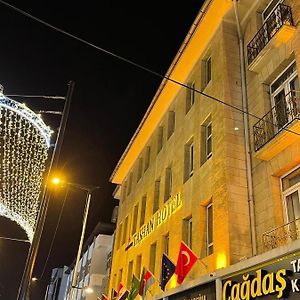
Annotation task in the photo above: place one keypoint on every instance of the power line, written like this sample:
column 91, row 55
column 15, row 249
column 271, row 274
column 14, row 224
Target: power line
column 138, row 65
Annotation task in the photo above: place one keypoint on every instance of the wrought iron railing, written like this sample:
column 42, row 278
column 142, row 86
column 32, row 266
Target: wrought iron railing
column 282, row 114
column 282, row 15
column 282, row 235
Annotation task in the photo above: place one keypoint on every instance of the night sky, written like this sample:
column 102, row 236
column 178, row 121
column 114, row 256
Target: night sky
column 109, row 101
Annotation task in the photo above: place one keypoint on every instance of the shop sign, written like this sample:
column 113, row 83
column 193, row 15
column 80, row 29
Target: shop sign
column 203, row 292
column 157, row 219
column 277, row 280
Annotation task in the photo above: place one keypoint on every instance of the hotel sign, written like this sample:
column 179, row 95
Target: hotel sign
column 277, row 280
column 157, row 219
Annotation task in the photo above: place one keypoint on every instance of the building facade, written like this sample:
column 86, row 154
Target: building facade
column 93, row 269
column 215, row 160
column 57, row 287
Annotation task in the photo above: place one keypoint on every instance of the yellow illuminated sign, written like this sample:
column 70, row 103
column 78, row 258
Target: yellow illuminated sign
column 158, row 218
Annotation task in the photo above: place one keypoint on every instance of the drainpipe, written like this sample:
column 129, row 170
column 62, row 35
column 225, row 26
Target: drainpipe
column 246, row 132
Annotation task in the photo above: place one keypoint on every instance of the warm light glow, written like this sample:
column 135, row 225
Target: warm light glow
column 24, row 151
column 173, row 281
column 221, row 261
column 34, row 279
column 89, row 290
column 56, row 180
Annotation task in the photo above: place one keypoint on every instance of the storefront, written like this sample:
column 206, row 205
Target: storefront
column 277, row 279
column 203, row 292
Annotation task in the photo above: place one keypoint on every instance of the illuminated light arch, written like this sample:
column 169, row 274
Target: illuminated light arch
column 24, row 144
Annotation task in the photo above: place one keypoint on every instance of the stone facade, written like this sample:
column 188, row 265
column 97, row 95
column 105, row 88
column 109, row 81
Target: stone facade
column 221, row 179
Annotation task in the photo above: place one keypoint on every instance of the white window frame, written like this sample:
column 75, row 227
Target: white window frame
column 147, row 158
column 285, row 86
column 190, row 100
column 209, row 245
column 190, row 160
column 160, row 139
column 287, row 192
column 168, row 183
column 156, row 196
column 171, row 123
column 166, row 243
column 190, row 232
column 208, row 71
column 207, row 138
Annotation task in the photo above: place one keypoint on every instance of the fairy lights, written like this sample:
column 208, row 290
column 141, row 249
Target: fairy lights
column 24, row 143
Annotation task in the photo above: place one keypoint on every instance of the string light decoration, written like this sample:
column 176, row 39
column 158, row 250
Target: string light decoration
column 24, row 144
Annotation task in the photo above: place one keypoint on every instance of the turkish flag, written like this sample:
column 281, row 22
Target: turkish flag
column 185, row 261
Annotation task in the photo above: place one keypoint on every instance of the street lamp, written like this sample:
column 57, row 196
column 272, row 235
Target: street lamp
column 89, row 190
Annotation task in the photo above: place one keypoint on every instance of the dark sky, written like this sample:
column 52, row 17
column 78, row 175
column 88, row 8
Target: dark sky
column 109, row 101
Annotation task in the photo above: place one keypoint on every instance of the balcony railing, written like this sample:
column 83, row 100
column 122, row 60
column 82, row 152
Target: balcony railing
column 282, row 15
column 282, row 114
column 282, row 235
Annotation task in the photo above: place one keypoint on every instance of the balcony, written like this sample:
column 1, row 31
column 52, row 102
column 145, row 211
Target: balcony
column 279, row 23
column 282, row 122
column 281, row 235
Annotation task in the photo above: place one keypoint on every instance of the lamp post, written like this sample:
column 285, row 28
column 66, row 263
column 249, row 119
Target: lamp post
column 45, row 198
column 89, row 190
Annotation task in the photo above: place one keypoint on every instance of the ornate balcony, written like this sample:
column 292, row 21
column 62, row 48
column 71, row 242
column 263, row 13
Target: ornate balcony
column 279, row 18
column 282, row 118
column 281, row 235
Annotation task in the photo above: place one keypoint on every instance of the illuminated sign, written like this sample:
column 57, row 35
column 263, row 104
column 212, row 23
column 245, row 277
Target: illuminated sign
column 157, row 219
column 275, row 281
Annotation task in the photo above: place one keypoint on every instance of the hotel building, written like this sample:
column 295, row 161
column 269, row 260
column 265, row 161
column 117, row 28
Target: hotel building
column 215, row 162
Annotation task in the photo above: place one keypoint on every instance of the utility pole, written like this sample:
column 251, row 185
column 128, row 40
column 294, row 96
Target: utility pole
column 23, row 292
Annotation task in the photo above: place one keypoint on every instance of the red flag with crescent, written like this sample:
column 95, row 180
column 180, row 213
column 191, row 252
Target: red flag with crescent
column 185, row 262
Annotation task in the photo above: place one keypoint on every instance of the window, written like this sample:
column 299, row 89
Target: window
column 120, row 276
column 147, row 158
column 206, row 72
column 283, row 97
column 269, row 9
column 206, row 141
column 152, row 258
column 188, row 160
column 140, row 169
column 120, row 232
column 125, row 231
column 143, row 211
column 129, row 184
column 187, row 231
column 171, row 123
column 168, row 184
column 291, row 195
column 166, row 243
column 190, row 96
column 123, row 191
column 209, row 229
column 135, row 217
column 138, row 266
column 156, row 196
column 160, row 136
column 129, row 274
